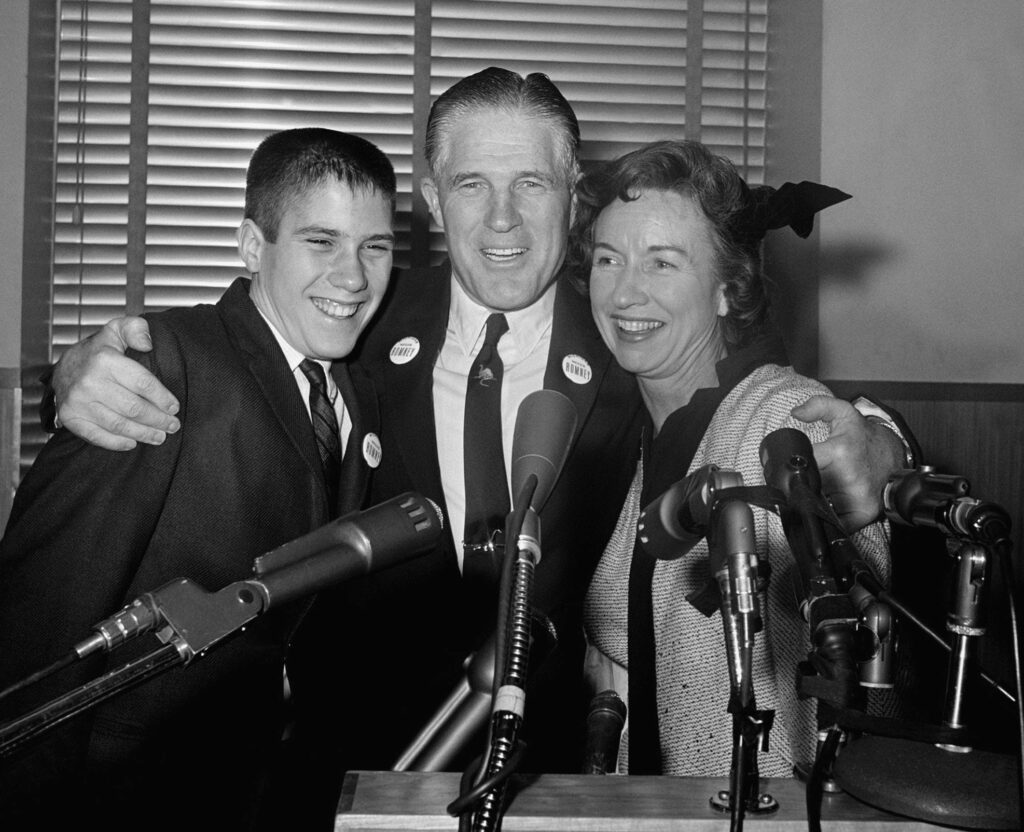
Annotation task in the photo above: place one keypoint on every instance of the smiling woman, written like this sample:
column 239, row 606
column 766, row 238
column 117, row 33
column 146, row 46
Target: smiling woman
column 667, row 239
column 656, row 296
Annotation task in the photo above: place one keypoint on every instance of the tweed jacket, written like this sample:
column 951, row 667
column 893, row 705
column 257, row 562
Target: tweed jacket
column 692, row 671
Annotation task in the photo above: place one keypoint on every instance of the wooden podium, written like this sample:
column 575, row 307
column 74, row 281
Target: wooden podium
column 391, row 800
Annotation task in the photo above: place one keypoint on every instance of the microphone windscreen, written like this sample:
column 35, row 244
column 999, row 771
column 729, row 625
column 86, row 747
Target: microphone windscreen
column 545, row 425
column 786, row 454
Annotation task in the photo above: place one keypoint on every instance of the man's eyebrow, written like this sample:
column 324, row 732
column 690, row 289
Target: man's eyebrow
column 319, row 230
column 462, row 176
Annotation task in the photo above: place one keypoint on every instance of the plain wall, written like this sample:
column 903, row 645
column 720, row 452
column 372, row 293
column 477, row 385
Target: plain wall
column 13, row 97
column 13, row 69
column 923, row 123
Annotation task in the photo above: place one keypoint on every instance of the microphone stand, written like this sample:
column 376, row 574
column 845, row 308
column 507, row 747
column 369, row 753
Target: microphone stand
column 194, row 622
column 942, row 778
column 190, row 621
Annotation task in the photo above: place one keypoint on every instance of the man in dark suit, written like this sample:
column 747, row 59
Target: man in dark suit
column 91, row 529
column 502, row 151
column 502, row 156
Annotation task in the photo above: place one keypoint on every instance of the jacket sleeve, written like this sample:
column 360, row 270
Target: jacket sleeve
column 79, row 528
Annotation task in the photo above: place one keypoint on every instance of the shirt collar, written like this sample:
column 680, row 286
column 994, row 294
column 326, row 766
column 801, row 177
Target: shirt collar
column 295, row 358
column 526, row 327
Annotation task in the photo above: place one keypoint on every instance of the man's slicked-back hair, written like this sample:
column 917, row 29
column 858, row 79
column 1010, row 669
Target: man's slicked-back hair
column 287, row 164
column 494, row 88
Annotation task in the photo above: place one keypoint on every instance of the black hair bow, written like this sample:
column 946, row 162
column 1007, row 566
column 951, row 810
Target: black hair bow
column 792, row 204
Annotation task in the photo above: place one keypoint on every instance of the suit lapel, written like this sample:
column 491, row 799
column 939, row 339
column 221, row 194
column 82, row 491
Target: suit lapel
column 266, row 362
column 409, row 385
column 576, row 349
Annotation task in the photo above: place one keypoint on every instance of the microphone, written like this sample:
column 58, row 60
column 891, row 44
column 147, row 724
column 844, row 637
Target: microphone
column 922, row 497
column 545, row 424
column 605, row 719
column 733, row 562
column 788, row 462
column 673, row 523
column 789, row 466
column 355, row 544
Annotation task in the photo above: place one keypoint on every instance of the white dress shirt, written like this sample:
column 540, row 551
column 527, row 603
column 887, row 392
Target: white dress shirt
column 294, row 359
column 524, row 354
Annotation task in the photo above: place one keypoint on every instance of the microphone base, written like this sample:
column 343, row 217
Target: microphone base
column 972, row 790
column 763, row 804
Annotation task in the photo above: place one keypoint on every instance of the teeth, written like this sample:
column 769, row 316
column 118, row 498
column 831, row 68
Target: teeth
column 334, row 309
column 502, row 253
column 638, row 326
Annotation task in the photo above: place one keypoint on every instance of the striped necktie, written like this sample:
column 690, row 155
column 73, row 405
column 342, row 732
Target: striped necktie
column 325, row 426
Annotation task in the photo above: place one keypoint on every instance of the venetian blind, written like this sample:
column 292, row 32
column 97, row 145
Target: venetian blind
column 630, row 70
column 220, row 76
column 160, row 103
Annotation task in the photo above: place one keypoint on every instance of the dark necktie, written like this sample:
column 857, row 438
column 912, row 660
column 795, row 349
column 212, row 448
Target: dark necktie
column 487, row 500
column 325, row 426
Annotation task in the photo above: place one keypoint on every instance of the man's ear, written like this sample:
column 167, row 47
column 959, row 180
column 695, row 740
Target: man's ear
column 428, row 188
column 250, row 245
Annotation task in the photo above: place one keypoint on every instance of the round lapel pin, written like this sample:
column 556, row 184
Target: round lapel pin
column 371, row 450
column 405, row 350
column 577, row 369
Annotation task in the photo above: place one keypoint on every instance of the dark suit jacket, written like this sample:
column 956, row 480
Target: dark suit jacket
column 92, row 529
column 401, row 635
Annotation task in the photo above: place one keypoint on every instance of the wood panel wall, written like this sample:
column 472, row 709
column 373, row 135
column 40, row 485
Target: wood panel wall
column 975, row 431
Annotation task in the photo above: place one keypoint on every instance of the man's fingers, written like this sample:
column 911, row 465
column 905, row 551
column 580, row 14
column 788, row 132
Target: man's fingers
column 825, row 453
column 115, row 430
column 822, row 409
column 153, row 404
column 133, row 332
column 123, row 412
column 95, row 435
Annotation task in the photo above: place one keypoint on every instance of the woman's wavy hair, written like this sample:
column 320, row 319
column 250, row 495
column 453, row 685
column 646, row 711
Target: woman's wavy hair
column 689, row 169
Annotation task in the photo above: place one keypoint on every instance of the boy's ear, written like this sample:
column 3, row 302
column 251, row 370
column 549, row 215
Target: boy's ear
column 250, row 245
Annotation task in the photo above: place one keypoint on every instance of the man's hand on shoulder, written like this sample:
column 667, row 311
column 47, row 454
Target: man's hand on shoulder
column 107, row 398
column 855, row 461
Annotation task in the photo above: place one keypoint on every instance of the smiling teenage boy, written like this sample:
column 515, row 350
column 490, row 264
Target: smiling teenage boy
column 91, row 529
